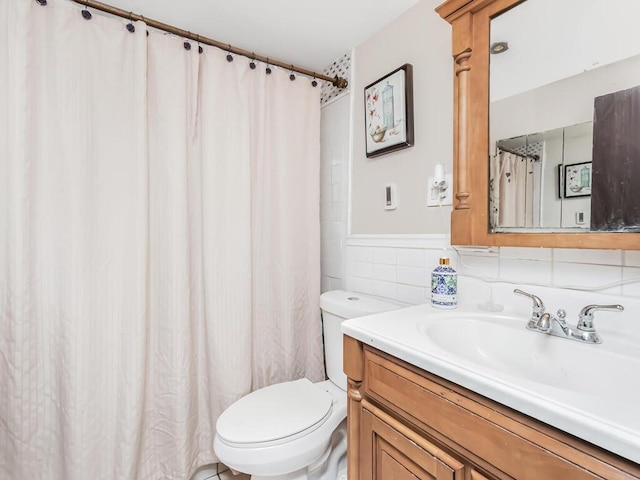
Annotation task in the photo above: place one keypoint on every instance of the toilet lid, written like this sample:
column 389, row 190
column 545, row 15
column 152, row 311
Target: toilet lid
column 274, row 413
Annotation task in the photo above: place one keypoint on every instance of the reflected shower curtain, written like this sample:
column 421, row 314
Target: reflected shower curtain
column 159, row 244
column 511, row 191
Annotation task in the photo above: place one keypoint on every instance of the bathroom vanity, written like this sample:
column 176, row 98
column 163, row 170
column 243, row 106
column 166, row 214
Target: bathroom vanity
column 419, row 408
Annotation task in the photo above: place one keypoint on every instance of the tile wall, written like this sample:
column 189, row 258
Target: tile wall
column 397, row 270
column 334, row 173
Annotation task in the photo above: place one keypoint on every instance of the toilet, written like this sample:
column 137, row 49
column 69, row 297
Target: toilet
column 297, row 430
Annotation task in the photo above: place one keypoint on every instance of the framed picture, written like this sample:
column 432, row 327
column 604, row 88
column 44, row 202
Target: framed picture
column 577, row 180
column 389, row 112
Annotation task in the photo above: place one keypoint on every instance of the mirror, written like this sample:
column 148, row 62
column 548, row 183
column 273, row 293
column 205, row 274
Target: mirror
column 530, row 99
column 544, row 76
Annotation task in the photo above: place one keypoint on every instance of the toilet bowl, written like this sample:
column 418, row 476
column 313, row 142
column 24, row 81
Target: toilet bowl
column 297, row 430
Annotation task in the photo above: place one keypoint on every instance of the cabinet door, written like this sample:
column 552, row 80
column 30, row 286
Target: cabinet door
column 390, row 450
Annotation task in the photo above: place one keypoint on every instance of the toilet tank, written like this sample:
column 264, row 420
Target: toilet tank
column 337, row 306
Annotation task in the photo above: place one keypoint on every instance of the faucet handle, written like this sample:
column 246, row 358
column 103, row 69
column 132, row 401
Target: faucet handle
column 585, row 320
column 538, row 306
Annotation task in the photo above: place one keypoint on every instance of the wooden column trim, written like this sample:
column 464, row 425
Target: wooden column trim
column 353, row 358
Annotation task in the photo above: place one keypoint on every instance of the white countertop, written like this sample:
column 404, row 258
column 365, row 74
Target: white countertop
column 594, row 414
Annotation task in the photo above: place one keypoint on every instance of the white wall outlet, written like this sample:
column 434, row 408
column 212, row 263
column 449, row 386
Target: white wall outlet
column 440, row 196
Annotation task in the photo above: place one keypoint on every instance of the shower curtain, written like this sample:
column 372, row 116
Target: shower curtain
column 512, row 188
column 159, row 243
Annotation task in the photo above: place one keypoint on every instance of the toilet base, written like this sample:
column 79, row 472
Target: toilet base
column 332, row 465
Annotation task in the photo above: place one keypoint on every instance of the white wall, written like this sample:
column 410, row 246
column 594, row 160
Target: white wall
column 419, row 37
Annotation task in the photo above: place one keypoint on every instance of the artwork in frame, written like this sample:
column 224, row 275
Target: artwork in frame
column 389, row 112
column 576, row 180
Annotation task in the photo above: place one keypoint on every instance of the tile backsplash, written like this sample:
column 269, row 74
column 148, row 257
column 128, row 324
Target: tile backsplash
column 399, row 268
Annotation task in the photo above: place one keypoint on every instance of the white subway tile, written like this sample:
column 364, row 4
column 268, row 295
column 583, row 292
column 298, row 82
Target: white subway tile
column 631, row 289
column 410, row 257
column 360, row 285
column 363, row 269
column 350, row 259
column 384, row 272
column 332, row 212
column 331, row 231
column 526, row 253
column 414, row 276
column 479, row 266
column 337, row 283
column 336, row 174
column 590, row 256
column 362, row 254
column 384, row 255
column 331, row 248
column 588, row 276
column 432, row 257
column 525, row 271
column 325, row 193
column 632, row 258
column 331, row 267
column 336, row 190
column 325, row 284
column 385, row 289
column 412, row 294
column 325, row 173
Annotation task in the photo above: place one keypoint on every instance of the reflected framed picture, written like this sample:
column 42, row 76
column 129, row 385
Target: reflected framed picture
column 560, row 181
column 389, row 112
column 576, row 180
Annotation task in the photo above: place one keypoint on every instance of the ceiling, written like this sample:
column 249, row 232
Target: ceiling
column 308, row 34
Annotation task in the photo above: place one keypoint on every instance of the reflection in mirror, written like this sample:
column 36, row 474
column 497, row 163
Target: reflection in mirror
column 543, row 87
column 533, row 176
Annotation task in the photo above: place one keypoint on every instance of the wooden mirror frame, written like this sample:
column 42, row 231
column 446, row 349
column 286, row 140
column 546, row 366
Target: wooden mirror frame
column 470, row 21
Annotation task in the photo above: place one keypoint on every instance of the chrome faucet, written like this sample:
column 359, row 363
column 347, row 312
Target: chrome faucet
column 538, row 307
column 584, row 331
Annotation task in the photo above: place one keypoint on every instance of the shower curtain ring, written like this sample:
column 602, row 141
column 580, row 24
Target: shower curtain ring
column 292, row 77
column 200, row 49
column 86, row 14
column 229, row 56
column 252, row 64
column 186, row 44
column 130, row 26
column 144, row 21
column 268, row 69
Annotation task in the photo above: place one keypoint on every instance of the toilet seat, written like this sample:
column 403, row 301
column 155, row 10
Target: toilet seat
column 274, row 415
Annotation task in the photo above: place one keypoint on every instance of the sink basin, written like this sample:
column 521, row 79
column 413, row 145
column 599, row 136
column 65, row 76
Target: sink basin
column 503, row 344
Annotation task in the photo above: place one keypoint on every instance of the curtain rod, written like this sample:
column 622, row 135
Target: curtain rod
column 526, row 155
column 335, row 81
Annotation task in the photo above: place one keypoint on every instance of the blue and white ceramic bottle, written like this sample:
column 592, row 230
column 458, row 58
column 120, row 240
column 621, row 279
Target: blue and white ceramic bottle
column 444, row 285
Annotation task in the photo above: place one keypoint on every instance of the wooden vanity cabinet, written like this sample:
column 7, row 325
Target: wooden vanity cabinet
column 406, row 423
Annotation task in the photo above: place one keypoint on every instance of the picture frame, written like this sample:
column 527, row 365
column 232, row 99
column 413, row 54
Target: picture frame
column 560, row 181
column 388, row 106
column 576, row 180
